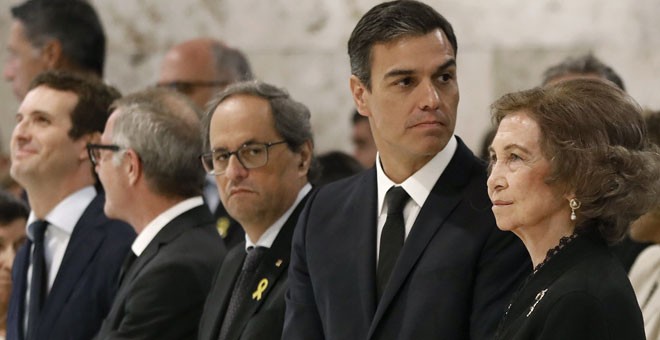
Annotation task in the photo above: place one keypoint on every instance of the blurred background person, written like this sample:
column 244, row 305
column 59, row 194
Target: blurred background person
column 364, row 147
column 200, row 68
column 583, row 66
column 7, row 183
column 334, row 165
column 13, row 216
column 46, row 35
column 645, row 272
column 571, row 167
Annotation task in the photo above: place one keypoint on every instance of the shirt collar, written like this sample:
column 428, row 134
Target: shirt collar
column 419, row 184
column 268, row 237
column 157, row 224
column 66, row 214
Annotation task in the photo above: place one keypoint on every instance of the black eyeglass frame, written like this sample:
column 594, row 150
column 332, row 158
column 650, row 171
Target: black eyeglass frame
column 91, row 148
column 212, row 171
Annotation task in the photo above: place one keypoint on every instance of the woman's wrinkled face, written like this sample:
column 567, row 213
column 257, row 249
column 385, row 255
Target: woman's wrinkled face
column 517, row 183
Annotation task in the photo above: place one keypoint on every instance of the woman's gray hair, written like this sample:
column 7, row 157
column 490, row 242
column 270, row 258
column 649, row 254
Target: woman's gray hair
column 595, row 138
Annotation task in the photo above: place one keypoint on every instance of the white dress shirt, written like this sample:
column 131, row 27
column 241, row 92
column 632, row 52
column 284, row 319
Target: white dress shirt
column 157, row 224
column 268, row 237
column 61, row 222
column 418, row 186
column 211, row 194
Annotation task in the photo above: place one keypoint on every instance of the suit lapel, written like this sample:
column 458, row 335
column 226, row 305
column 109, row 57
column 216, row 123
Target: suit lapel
column 83, row 244
column 171, row 231
column 274, row 263
column 17, row 306
column 218, row 299
column 444, row 197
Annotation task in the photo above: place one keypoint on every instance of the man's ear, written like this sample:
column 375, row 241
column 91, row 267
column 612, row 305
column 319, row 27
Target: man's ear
column 93, row 138
column 360, row 94
column 51, row 53
column 134, row 165
column 306, row 152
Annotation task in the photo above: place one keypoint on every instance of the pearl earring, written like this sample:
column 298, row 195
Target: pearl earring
column 575, row 205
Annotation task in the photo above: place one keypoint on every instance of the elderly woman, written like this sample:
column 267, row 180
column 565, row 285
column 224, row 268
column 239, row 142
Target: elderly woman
column 571, row 167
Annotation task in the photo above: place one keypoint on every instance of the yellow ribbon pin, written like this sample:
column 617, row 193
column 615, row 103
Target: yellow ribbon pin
column 263, row 284
column 222, row 224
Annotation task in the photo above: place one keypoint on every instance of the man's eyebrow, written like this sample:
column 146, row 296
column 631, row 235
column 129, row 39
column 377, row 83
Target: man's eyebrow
column 397, row 73
column 406, row 72
column 447, row 64
column 247, row 142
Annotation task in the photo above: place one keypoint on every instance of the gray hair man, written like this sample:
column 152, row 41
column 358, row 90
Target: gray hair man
column 261, row 153
column 147, row 161
column 199, row 68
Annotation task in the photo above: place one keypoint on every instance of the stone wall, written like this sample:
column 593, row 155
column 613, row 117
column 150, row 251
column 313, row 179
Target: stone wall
column 504, row 46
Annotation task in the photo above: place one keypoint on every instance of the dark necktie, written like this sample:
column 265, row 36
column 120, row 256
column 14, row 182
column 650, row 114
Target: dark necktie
column 391, row 239
column 242, row 289
column 39, row 282
column 128, row 262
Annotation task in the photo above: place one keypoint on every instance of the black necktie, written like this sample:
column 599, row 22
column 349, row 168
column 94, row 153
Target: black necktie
column 39, row 282
column 242, row 290
column 128, row 262
column 391, row 239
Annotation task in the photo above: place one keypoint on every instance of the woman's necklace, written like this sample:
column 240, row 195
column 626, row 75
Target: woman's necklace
column 563, row 242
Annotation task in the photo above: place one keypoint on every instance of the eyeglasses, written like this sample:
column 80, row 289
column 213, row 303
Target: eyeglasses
column 253, row 155
column 187, row 87
column 94, row 151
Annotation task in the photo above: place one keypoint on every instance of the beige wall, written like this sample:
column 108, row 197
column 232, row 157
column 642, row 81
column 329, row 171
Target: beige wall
column 504, row 45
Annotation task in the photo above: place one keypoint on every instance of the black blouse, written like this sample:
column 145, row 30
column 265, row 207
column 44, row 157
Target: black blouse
column 582, row 292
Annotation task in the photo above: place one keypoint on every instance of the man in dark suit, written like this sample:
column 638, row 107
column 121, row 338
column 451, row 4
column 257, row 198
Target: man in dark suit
column 408, row 249
column 64, row 278
column 148, row 162
column 261, row 153
column 199, row 68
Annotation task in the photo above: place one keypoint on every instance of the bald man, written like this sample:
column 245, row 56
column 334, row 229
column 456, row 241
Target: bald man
column 201, row 67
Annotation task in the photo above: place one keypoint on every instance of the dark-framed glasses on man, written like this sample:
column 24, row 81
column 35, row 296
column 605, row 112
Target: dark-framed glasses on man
column 94, row 151
column 250, row 155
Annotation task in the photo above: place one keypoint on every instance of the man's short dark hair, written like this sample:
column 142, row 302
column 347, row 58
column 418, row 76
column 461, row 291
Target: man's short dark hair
column 11, row 208
column 94, row 98
column 586, row 64
column 390, row 21
column 74, row 23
